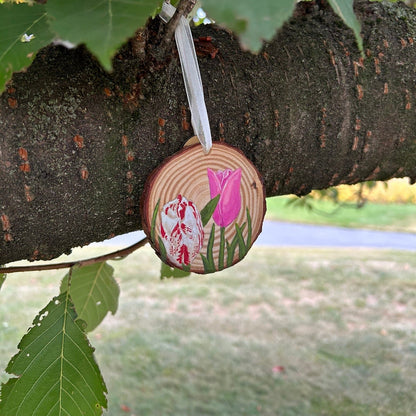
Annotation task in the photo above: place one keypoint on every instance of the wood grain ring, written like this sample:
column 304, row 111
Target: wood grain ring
column 185, row 174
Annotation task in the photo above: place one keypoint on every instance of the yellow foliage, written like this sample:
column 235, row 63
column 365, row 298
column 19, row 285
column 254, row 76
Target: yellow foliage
column 398, row 190
column 30, row 2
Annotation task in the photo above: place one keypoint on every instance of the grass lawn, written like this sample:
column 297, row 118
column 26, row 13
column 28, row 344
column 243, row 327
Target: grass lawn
column 286, row 332
column 391, row 217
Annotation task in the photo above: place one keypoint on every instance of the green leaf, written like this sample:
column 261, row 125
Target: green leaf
column 344, row 9
column 253, row 22
column 94, row 292
column 2, row 279
column 208, row 210
column 205, row 263
column 249, row 229
column 16, row 51
column 153, row 224
column 222, row 246
column 242, row 249
column 238, row 239
column 162, row 250
column 208, row 261
column 210, row 247
column 167, row 271
column 102, row 25
column 55, row 370
column 230, row 251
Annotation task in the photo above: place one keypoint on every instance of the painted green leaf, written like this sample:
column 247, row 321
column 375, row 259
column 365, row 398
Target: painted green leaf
column 162, row 250
column 210, row 247
column 230, row 251
column 153, row 225
column 208, row 261
column 102, row 25
column 167, row 272
column 253, row 22
column 23, row 31
column 242, row 249
column 249, row 229
column 208, row 210
column 94, row 292
column 55, row 371
column 237, row 240
column 344, row 9
column 222, row 247
column 2, row 279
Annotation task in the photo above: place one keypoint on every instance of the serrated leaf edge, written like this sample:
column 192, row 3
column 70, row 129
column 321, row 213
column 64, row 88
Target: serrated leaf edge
column 18, row 38
column 67, row 312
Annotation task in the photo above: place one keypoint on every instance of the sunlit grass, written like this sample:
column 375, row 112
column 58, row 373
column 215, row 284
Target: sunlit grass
column 285, row 332
column 391, row 217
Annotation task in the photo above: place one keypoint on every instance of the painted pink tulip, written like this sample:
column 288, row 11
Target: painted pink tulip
column 227, row 184
column 181, row 231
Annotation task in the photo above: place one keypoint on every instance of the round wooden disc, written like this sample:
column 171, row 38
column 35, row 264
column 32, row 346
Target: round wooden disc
column 203, row 212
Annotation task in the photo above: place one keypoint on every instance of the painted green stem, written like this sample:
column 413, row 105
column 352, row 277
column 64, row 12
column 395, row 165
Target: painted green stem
column 222, row 247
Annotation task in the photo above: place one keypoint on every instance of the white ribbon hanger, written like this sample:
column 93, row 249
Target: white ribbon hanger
column 191, row 76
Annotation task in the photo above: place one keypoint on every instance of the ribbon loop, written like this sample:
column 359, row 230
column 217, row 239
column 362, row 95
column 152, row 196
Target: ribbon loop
column 191, row 76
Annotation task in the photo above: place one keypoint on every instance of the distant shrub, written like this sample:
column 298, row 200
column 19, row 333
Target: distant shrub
column 393, row 191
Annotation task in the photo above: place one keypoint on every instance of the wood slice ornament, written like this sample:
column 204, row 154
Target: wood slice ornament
column 202, row 212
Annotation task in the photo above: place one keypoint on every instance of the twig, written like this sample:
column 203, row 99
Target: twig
column 183, row 9
column 115, row 254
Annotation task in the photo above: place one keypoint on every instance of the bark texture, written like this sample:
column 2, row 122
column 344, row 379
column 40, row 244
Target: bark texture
column 77, row 143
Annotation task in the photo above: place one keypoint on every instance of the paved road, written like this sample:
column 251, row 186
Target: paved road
column 288, row 234
column 285, row 234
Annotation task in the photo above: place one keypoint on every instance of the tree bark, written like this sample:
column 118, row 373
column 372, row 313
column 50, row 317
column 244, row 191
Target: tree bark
column 77, row 143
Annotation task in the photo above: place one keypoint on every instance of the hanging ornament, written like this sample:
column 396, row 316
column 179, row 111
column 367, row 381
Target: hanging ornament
column 202, row 212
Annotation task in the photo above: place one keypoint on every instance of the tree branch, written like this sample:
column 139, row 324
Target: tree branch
column 183, row 9
column 167, row 33
column 77, row 144
column 119, row 254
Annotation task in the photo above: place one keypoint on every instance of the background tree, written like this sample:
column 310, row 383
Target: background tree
column 82, row 129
